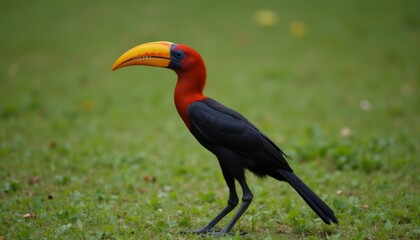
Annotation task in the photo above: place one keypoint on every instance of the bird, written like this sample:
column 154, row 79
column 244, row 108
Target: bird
column 238, row 145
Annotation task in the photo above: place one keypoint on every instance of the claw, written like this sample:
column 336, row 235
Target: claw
column 204, row 232
column 223, row 233
column 200, row 231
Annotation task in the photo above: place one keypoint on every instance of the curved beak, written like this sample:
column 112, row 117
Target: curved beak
column 156, row 54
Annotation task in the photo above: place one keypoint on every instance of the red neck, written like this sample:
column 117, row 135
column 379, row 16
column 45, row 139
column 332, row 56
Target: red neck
column 189, row 89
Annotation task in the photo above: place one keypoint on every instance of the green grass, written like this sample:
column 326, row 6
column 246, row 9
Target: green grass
column 80, row 146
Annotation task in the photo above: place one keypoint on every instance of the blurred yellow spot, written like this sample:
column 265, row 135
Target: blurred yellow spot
column 345, row 132
column 298, row 29
column 365, row 105
column 87, row 105
column 265, row 17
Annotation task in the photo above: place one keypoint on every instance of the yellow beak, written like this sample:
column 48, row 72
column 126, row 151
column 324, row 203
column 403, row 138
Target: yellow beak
column 156, row 54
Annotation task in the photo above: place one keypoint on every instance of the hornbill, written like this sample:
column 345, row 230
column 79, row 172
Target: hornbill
column 236, row 142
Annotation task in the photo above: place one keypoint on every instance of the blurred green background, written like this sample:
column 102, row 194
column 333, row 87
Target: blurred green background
column 98, row 154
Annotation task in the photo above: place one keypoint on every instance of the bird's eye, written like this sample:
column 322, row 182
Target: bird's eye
column 179, row 54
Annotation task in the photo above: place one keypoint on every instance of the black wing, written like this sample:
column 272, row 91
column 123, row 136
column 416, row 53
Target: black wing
column 227, row 128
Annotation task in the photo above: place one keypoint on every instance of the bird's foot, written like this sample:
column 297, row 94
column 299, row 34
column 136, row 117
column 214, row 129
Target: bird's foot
column 196, row 231
column 223, row 233
column 205, row 232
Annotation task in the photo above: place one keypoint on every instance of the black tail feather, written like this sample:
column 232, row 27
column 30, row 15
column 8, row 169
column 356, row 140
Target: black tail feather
column 317, row 205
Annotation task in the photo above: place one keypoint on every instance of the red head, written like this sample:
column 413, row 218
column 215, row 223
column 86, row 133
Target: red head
column 184, row 60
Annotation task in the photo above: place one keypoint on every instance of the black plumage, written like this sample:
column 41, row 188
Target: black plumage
column 239, row 145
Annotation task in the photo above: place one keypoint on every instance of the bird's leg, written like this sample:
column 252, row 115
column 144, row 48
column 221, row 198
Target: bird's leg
column 246, row 201
column 231, row 204
column 209, row 227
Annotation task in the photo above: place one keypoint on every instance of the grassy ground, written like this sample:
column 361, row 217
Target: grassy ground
column 90, row 154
